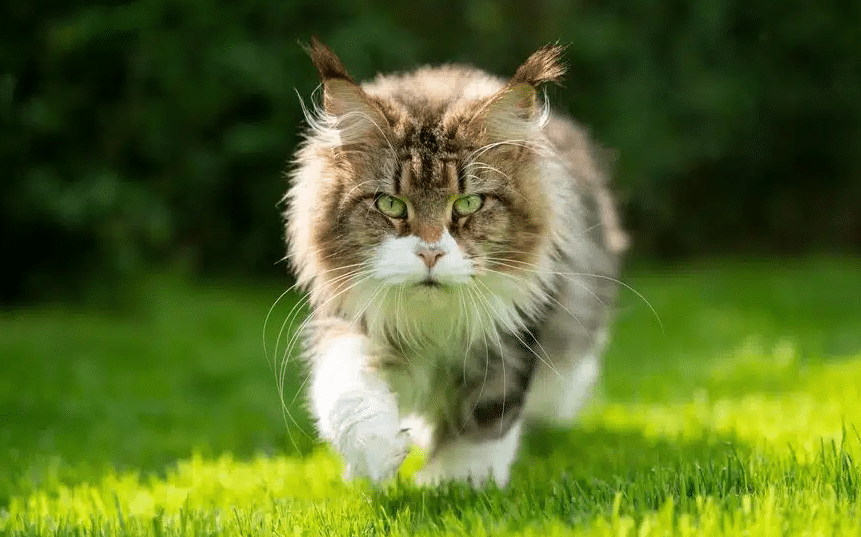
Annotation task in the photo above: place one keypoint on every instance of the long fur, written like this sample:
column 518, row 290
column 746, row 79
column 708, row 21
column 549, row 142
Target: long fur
column 511, row 317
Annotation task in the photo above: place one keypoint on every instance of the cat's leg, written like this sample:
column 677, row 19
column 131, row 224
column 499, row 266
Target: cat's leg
column 355, row 409
column 559, row 392
column 477, row 438
column 562, row 385
column 472, row 460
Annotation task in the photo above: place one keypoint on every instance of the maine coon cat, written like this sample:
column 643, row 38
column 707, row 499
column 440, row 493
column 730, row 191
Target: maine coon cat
column 459, row 246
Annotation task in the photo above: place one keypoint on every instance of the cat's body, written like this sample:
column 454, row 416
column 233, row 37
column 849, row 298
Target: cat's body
column 460, row 247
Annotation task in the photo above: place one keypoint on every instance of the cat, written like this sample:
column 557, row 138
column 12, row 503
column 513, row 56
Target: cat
column 460, row 246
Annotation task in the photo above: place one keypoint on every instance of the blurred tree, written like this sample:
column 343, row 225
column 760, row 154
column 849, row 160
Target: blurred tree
column 159, row 130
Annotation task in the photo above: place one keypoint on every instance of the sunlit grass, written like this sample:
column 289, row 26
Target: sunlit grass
column 743, row 418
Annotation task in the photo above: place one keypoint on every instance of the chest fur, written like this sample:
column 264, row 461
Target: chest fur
column 429, row 380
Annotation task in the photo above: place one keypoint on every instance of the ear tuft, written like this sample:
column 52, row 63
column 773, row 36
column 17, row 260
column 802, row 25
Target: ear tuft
column 328, row 63
column 513, row 112
column 514, row 102
column 349, row 112
column 544, row 65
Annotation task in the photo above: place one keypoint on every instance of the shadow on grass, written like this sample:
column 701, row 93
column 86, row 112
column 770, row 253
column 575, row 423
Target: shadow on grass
column 574, row 476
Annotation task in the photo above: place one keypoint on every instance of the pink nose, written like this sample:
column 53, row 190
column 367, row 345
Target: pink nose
column 430, row 257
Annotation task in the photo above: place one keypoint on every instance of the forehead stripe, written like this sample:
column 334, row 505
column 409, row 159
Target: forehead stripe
column 455, row 179
column 415, row 168
column 399, row 170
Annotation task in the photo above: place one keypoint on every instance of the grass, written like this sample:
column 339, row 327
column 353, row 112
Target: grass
column 741, row 418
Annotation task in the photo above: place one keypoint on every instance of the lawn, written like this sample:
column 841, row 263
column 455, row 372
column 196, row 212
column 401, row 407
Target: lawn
column 739, row 413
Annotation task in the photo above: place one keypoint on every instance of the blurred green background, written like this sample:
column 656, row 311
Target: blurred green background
column 156, row 132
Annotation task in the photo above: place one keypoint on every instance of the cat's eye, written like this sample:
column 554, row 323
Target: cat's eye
column 391, row 206
column 466, row 205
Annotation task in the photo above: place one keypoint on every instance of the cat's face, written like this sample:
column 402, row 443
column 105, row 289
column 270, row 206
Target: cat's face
column 427, row 191
column 424, row 218
column 433, row 210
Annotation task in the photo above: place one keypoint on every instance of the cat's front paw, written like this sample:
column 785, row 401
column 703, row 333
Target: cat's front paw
column 475, row 462
column 477, row 475
column 368, row 435
column 377, row 458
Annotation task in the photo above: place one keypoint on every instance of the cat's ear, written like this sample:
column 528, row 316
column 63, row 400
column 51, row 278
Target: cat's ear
column 354, row 113
column 515, row 109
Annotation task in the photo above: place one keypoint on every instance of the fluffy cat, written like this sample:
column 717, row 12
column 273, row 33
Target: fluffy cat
column 459, row 246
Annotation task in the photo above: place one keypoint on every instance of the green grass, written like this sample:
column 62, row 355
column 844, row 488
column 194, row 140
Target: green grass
column 741, row 418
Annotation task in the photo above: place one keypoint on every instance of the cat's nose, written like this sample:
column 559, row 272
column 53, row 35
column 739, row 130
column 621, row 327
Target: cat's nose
column 430, row 256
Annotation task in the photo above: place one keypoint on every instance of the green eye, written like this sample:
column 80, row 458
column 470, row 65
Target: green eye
column 468, row 204
column 391, row 206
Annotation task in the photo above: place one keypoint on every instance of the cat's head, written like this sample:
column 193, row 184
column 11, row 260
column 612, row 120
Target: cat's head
column 423, row 181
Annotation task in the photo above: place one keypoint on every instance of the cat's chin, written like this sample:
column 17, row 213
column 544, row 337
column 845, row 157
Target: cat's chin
column 431, row 288
column 442, row 285
column 432, row 293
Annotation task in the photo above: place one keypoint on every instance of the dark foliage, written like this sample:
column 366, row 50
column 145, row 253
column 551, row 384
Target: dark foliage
column 159, row 130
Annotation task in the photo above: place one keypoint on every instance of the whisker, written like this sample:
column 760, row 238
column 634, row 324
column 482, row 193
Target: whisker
column 314, row 251
column 361, row 280
column 291, row 288
column 281, row 380
column 486, row 354
column 302, row 385
column 347, row 196
column 374, row 123
column 513, row 331
column 398, row 317
column 369, row 301
column 589, row 275
column 289, row 351
column 548, row 296
column 291, row 314
column 507, row 186
column 485, row 166
column 501, row 351
column 266, row 320
column 526, row 144
column 538, row 270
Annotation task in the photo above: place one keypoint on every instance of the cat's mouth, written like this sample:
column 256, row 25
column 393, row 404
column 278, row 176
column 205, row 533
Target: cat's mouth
column 429, row 283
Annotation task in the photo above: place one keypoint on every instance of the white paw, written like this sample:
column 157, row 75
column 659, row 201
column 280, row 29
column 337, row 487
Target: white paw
column 476, row 463
column 379, row 458
column 478, row 476
column 368, row 435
